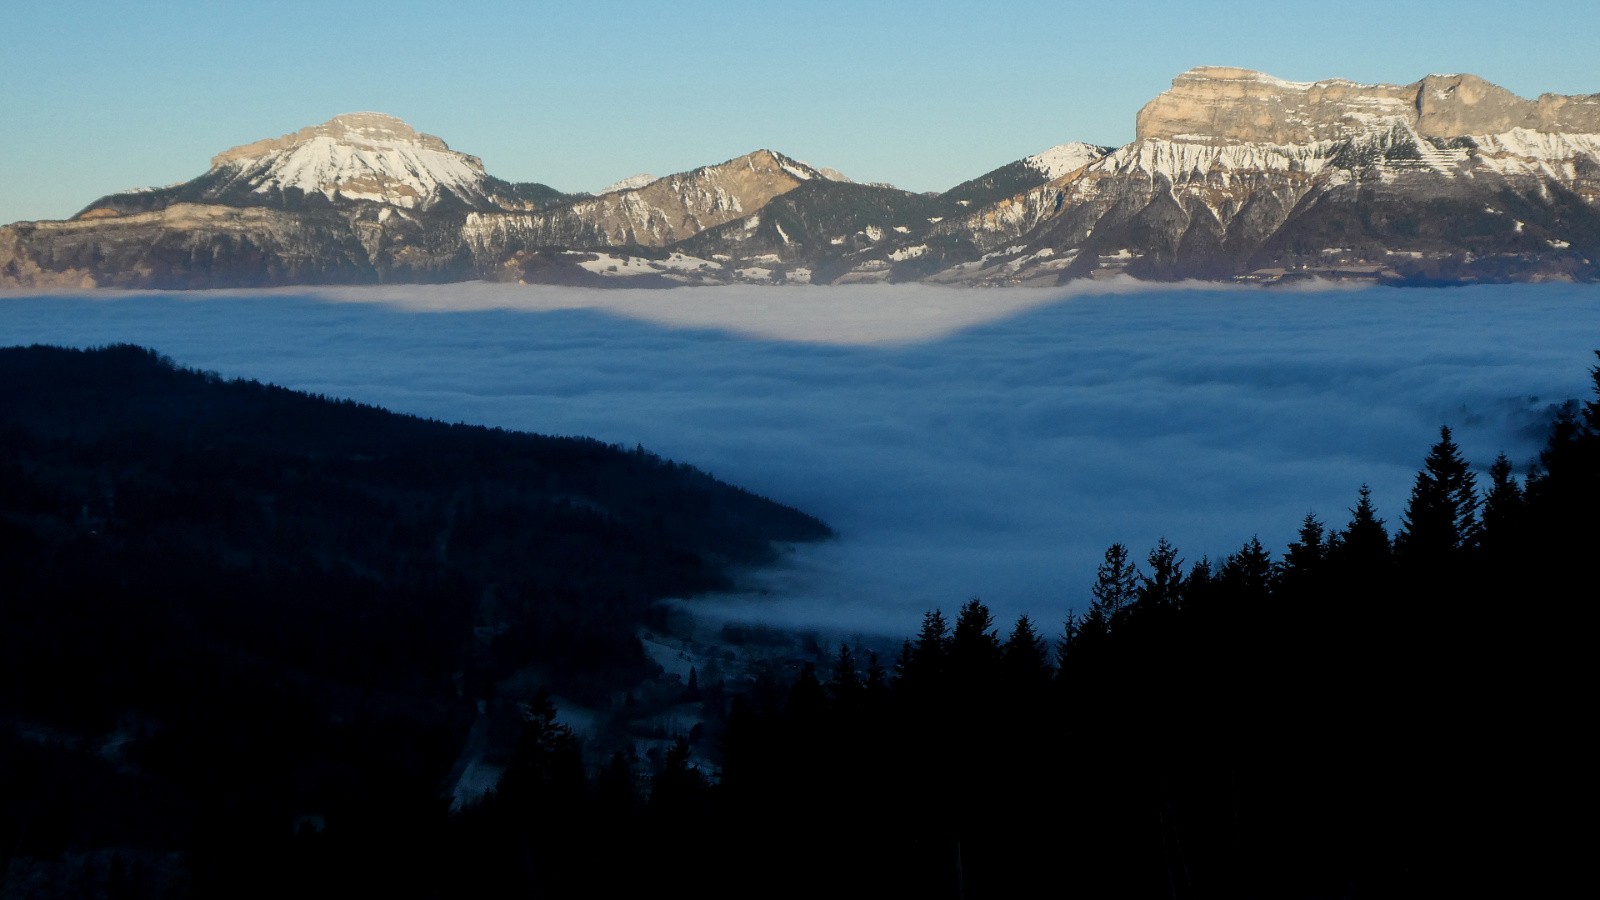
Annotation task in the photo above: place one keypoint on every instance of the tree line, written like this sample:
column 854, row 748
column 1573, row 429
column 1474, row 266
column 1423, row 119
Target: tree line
column 1386, row 709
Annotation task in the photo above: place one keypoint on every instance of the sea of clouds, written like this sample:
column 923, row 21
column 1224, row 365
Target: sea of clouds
column 963, row 443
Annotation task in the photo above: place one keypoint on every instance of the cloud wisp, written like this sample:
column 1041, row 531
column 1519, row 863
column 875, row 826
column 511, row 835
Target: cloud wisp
column 963, row 443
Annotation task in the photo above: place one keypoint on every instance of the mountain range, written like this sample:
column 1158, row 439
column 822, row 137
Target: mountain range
column 1233, row 175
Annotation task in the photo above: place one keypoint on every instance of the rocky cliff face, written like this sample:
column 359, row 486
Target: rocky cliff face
column 185, row 245
column 1234, row 175
column 1219, row 105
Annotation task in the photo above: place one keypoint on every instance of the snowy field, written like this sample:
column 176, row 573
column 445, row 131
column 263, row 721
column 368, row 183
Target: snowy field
column 963, row 443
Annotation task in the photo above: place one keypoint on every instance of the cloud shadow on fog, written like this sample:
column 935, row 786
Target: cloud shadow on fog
column 963, row 443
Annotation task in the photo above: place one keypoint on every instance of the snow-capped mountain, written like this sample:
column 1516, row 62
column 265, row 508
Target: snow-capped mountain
column 356, row 158
column 1233, row 174
column 361, row 156
column 1238, row 174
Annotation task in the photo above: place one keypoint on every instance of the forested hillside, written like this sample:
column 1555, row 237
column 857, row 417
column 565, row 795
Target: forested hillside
column 226, row 607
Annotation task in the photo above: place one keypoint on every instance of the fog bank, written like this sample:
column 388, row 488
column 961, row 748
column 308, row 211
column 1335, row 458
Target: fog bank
column 963, row 443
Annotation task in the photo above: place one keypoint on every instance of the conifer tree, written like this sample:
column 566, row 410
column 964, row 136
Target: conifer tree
column 1363, row 546
column 905, row 661
column 1200, row 577
column 1249, row 572
column 1024, row 658
column 1502, row 507
column 1561, row 450
column 875, row 685
column 680, row 786
column 1116, row 587
column 1163, row 587
column 1064, row 644
column 925, row 660
column 545, row 778
column 845, row 686
column 1306, row 553
column 1591, row 409
column 1567, row 490
column 974, row 645
column 1442, row 515
column 1304, row 561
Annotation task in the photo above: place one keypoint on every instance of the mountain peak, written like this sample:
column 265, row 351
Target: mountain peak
column 763, row 163
column 372, row 126
column 1223, row 105
column 1064, row 158
column 360, row 156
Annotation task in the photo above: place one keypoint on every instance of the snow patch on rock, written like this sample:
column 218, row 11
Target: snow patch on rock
column 632, row 182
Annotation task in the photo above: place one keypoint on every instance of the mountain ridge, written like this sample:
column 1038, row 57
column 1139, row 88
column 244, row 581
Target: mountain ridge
column 1233, row 175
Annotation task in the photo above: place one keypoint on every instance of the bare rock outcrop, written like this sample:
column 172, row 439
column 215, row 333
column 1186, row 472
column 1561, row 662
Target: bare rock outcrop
column 1219, row 105
column 658, row 213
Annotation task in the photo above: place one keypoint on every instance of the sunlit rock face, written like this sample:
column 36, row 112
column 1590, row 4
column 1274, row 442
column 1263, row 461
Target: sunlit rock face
column 1217, row 105
column 1221, row 105
column 1237, row 174
column 653, row 214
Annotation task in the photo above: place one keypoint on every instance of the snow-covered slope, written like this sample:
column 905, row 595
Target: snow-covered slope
column 1064, row 158
column 353, row 159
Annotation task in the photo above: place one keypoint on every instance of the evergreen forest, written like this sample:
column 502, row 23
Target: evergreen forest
column 200, row 571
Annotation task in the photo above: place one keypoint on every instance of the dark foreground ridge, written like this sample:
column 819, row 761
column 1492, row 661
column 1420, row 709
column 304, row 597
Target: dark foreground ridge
column 226, row 607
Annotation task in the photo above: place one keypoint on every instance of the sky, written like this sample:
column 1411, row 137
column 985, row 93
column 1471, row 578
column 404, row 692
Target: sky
column 98, row 97
column 962, row 443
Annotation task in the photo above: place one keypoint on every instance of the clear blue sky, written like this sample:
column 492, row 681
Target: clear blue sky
column 97, row 97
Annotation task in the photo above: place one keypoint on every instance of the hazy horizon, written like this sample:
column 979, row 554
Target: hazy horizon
column 964, row 443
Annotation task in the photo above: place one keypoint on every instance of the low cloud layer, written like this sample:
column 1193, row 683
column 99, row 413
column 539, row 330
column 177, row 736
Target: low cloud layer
column 963, row 443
